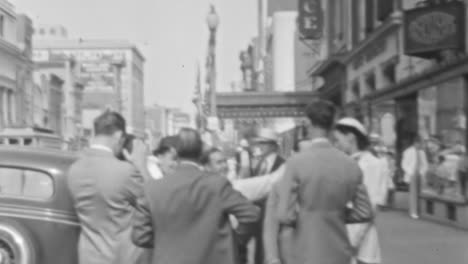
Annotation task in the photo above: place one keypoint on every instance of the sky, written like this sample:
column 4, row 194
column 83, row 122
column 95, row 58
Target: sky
column 172, row 35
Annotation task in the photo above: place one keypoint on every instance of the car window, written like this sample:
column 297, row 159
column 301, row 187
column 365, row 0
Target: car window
column 24, row 183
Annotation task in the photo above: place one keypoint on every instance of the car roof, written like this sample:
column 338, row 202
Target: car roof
column 41, row 158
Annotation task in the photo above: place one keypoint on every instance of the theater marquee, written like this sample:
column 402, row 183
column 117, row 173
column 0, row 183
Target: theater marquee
column 431, row 29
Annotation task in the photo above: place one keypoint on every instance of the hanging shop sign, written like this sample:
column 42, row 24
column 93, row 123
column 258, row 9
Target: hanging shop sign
column 310, row 20
column 434, row 28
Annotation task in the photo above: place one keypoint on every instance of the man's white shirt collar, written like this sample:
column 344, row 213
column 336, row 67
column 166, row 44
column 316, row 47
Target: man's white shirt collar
column 101, row 147
column 319, row 140
column 191, row 163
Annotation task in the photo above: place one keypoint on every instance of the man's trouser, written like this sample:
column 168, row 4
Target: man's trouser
column 414, row 188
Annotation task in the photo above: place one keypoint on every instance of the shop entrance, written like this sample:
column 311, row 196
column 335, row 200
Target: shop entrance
column 406, row 111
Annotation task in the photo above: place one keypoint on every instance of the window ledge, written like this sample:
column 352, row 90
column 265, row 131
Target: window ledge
column 444, row 198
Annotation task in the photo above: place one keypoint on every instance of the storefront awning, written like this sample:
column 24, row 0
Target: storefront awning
column 263, row 104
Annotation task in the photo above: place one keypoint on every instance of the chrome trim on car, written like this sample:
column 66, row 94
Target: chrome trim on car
column 41, row 214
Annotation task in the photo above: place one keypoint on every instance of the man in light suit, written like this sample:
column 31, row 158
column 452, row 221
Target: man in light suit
column 277, row 239
column 105, row 190
column 321, row 191
column 185, row 218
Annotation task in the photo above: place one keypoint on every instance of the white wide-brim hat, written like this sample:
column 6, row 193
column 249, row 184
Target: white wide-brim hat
column 374, row 136
column 353, row 123
column 266, row 135
column 244, row 143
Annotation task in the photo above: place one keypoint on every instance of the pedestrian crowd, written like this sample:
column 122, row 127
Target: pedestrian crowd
column 186, row 203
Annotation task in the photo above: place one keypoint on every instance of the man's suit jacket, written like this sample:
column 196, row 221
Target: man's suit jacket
column 105, row 190
column 185, row 218
column 277, row 239
column 318, row 188
column 258, row 188
column 259, row 247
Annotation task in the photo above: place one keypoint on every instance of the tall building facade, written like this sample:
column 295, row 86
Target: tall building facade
column 111, row 71
column 156, row 124
column 58, row 99
column 162, row 121
column 15, row 66
column 401, row 67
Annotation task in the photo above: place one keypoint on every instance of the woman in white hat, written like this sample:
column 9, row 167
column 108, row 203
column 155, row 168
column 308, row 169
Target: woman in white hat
column 351, row 137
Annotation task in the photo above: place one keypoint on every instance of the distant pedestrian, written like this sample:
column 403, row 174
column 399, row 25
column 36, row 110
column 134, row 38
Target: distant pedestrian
column 164, row 158
column 415, row 166
column 270, row 161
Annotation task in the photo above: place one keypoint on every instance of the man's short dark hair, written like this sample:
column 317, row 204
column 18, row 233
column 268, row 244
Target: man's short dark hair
column 108, row 123
column 169, row 141
column 206, row 157
column 321, row 113
column 190, row 144
column 165, row 145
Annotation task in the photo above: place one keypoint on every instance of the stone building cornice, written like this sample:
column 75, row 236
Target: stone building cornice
column 392, row 23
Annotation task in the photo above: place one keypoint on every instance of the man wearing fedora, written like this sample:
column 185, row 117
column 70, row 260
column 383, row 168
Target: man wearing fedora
column 270, row 161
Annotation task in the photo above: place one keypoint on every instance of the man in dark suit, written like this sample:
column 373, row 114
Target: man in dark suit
column 320, row 192
column 185, row 218
column 244, row 160
column 105, row 190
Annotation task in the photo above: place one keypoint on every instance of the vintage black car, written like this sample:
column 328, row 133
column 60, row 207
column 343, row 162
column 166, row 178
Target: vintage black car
column 37, row 220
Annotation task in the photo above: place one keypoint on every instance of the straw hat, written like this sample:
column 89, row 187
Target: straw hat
column 244, row 143
column 374, row 137
column 353, row 123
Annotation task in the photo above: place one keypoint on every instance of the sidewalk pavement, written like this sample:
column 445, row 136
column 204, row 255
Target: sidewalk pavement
column 407, row 241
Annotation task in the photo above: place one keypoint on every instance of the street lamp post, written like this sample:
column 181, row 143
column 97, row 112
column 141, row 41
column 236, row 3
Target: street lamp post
column 212, row 21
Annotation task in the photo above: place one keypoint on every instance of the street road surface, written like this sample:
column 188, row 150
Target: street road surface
column 408, row 241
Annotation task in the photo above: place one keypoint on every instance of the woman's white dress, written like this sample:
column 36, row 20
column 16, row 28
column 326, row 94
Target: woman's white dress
column 366, row 234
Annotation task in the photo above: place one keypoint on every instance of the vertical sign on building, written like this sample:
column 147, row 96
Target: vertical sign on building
column 311, row 18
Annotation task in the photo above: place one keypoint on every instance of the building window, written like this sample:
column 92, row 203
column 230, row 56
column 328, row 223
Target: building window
column 370, row 82
column 429, row 207
column 442, row 123
column 52, row 31
column 355, row 21
column 2, row 25
column 385, row 8
column 389, row 73
column 41, row 31
column 28, row 141
column 451, row 212
column 2, row 107
column 370, row 17
column 10, row 107
column 355, row 90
